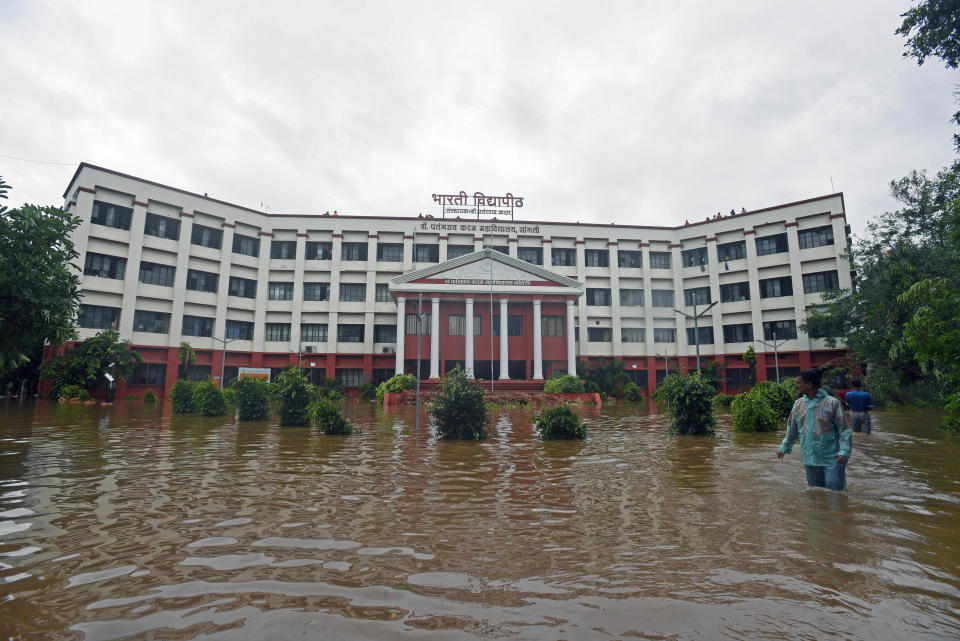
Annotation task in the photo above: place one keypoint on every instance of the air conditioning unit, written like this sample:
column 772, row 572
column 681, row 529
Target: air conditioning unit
column 309, row 349
column 388, row 350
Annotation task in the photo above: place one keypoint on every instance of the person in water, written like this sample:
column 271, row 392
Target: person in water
column 860, row 404
column 820, row 422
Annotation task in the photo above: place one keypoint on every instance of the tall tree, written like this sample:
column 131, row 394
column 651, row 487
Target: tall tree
column 88, row 362
column 39, row 285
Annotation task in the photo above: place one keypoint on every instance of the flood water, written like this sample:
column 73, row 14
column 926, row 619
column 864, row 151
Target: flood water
column 120, row 523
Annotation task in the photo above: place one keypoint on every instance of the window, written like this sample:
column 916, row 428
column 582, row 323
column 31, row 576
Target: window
column 239, row 330
column 351, row 377
column 153, row 322
column 246, row 245
column 503, row 249
column 283, row 249
column 313, row 332
column 353, row 251
column 599, row 334
column 200, row 281
column 384, row 333
column 161, row 226
column 696, row 296
column 277, row 332
column 739, row 333
column 598, row 296
column 552, row 326
column 427, row 253
column 280, row 291
column 738, row 376
column 661, row 297
column 156, row 274
column 457, row 325
column 632, row 335
column 206, row 236
column 816, row 237
column 390, row 252
column 776, row 244
column 596, row 258
column 382, row 293
column 732, row 251
column 785, row 372
column 779, row 330
column 732, row 292
column 349, row 333
column 105, row 266
column 456, row 251
column 664, row 335
column 320, row 250
column 820, row 282
column 660, row 260
column 563, row 257
column 148, row 374
column 514, row 325
column 631, row 297
column 694, row 257
column 197, row 326
column 353, row 292
column 111, row 215
column 97, row 317
column 706, row 335
column 316, row 291
column 773, row 287
column 242, row 287
column 411, row 326
column 629, row 258
column 532, row 255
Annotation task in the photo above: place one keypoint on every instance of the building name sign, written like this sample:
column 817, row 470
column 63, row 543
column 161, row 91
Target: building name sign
column 485, row 281
column 492, row 228
column 478, row 205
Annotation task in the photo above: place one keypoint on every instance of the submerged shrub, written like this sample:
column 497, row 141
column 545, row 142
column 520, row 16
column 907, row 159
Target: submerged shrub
column 327, row 418
column 688, row 399
column 252, row 398
column 458, row 408
column 294, row 393
column 722, row 400
column 564, row 384
column 208, row 399
column 780, row 397
column 752, row 412
column 149, row 396
column 74, row 391
column 332, row 389
column 396, row 385
column 631, row 392
column 559, row 423
column 181, row 397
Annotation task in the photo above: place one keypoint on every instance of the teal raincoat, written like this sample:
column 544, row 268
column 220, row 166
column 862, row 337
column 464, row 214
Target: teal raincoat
column 821, row 425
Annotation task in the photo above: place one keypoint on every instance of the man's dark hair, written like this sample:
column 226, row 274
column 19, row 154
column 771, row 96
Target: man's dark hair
column 856, row 382
column 811, row 376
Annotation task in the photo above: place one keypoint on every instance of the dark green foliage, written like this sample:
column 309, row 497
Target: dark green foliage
column 74, row 391
column 332, row 389
column 722, row 400
column 752, row 412
column 252, row 398
column 558, row 423
column 564, row 384
column 688, row 399
column 327, row 418
column 294, row 393
column 603, row 375
column 396, row 384
column 631, row 392
column 367, row 391
column 181, row 397
column 712, row 371
column 39, row 292
column 208, row 399
column 750, row 358
column 780, row 397
column 458, row 408
column 87, row 363
column 187, row 358
column 149, row 397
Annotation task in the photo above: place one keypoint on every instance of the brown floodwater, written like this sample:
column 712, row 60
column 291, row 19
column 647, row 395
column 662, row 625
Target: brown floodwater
column 121, row 523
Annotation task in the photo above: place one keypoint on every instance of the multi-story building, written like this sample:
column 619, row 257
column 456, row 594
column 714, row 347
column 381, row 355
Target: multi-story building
column 345, row 295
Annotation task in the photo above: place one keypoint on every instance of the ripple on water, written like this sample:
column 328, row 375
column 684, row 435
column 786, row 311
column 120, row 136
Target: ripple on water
column 102, row 575
column 213, row 541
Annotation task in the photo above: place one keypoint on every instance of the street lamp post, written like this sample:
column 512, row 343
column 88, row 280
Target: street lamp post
column 420, row 316
column 696, row 326
column 223, row 359
column 666, row 362
column 776, row 353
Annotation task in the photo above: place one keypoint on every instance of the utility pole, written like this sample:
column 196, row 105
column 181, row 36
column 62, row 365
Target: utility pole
column 696, row 326
column 776, row 353
column 419, row 341
column 223, row 354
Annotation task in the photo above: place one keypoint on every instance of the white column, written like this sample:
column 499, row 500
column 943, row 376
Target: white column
column 504, row 351
column 401, row 335
column 468, row 339
column 537, row 342
column 435, row 339
column 571, row 343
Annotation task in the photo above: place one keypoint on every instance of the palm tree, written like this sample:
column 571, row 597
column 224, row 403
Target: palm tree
column 187, row 358
column 603, row 375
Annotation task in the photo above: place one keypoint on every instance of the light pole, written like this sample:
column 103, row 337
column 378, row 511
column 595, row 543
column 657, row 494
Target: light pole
column 666, row 362
column 420, row 316
column 223, row 359
column 696, row 326
column 776, row 353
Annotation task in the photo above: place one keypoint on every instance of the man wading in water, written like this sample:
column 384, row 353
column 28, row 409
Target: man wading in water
column 825, row 437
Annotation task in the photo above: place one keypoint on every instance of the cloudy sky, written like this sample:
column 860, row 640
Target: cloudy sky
column 633, row 112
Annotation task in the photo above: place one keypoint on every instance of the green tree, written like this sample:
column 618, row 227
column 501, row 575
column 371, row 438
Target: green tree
column 39, row 285
column 604, row 375
column 396, row 384
column 688, row 401
column 750, row 358
column 252, row 398
column 327, row 417
column 188, row 358
column 294, row 393
column 564, row 384
column 88, row 362
column 752, row 412
column 208, row 399
column 558, row 423
column 181, row 397
column 458, row 408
